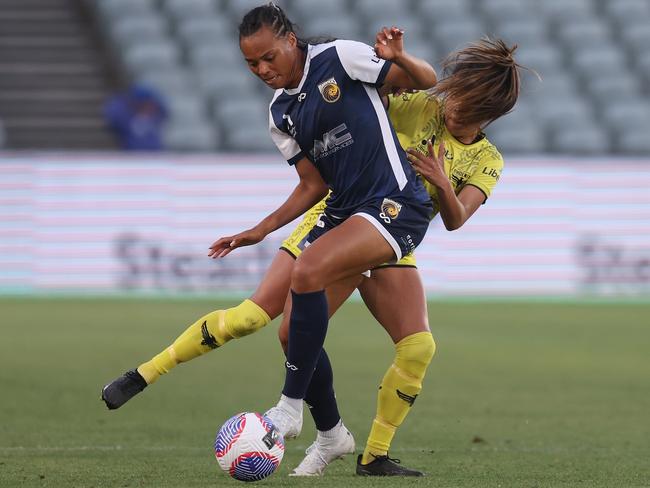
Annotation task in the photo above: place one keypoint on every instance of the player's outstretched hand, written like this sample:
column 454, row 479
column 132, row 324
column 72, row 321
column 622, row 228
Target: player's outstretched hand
column 224, row 246
column 431, row 167
column 389, row 44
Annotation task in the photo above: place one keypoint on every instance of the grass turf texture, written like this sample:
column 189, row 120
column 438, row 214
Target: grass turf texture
column 518, row 394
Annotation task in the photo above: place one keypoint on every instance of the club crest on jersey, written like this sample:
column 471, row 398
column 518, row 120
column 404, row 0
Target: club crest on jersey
column 330, row 90
column 390, row 208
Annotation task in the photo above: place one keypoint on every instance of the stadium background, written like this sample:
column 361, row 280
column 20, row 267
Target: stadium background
column 539, row 304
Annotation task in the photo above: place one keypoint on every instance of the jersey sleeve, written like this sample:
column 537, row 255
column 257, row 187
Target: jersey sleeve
column 287, row 145
column 406, row 110
column 361, row 63
column 487, row 173
column 414, row 116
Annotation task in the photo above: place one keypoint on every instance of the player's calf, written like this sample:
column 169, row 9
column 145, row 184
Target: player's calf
column 206, row 334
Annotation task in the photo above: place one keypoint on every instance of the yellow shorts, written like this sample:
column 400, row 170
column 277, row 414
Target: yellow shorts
column 295, row 243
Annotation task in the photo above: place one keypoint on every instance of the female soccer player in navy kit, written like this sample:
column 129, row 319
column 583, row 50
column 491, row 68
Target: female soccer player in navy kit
column 328, row 120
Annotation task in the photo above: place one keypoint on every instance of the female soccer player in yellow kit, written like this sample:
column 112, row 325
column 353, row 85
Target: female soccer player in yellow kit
column 459, row 180
column 446, row 121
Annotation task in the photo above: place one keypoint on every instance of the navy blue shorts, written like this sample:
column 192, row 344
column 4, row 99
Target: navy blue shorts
column 402, row 224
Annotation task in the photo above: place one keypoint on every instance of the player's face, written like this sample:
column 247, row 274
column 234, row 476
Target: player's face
column 272, row 59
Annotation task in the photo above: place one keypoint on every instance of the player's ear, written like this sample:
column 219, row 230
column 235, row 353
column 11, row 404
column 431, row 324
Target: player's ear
column 292, row 39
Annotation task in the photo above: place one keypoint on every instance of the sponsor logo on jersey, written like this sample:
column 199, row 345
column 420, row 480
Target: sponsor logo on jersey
column 330, row 90
column 333, row 140
column 459, row 177
column 390, row 209
column 491, row 172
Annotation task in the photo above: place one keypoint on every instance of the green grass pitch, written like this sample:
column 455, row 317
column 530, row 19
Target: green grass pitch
column 519, row 394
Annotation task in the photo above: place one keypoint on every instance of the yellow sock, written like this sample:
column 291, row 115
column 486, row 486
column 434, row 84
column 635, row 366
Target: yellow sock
column 209, row 332
column 398, row 390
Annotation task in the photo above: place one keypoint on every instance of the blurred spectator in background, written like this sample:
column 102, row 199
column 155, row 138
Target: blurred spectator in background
column 137, row 116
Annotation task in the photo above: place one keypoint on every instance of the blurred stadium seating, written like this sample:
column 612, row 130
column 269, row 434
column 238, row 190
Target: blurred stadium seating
column 2, row 134
column 591, row 54
column 53, row 82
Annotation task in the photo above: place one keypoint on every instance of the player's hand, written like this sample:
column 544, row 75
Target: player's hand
column 389, row 44
column 432, row 168
column 224, row 246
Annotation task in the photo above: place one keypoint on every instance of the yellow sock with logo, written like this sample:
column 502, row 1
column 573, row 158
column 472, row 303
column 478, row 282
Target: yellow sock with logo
column 209, row 332
column 398, row 390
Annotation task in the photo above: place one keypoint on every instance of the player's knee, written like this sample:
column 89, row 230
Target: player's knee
column 245, row 319
column 414, row 353
column 305, row 277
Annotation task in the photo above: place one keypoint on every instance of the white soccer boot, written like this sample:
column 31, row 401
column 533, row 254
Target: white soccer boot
column 328, row 446
column 286, row 418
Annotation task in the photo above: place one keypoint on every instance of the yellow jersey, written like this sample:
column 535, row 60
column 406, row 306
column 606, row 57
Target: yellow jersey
column 418, row 117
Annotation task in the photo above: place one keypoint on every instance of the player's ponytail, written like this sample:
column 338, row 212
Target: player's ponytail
column 483, row 79
column 273, row 17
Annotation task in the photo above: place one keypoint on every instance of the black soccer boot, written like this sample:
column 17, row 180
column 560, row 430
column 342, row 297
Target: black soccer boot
column 121, row 390
column 384, row 466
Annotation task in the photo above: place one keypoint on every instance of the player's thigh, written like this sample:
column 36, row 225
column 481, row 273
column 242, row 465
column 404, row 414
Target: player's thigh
column 395, row 297
column 337, row 294
column 348, row 249
column 271, row 293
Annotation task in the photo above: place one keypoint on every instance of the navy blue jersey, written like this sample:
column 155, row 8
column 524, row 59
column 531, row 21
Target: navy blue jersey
column 336, row 119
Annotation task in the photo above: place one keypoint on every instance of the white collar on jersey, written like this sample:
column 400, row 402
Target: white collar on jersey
column 305, row 70
column 313, row 50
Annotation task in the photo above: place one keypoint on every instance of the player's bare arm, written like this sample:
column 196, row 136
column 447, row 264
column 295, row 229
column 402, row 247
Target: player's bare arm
column 310, row 189
column 407, row 71
column 455, row 210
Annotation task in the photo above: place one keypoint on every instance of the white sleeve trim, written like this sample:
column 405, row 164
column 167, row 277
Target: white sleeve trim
column 359, row 60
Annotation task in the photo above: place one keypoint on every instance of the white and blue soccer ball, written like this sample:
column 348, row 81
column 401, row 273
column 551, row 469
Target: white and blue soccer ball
column 249, row 447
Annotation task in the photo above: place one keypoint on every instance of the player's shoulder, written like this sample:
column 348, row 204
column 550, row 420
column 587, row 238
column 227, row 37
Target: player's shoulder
column 319, row 48
column 340, row 48
column 277, row 106
column 349, row 44
column 412, row 99
column 276, row 95
column 490, row 154
column 279, row 100
column 348, row 47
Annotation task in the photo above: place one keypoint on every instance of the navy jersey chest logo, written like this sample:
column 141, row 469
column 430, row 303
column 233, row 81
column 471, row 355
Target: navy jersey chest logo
column 330, row 90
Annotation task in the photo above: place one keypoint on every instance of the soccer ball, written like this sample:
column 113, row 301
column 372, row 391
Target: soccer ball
column 249, row 447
